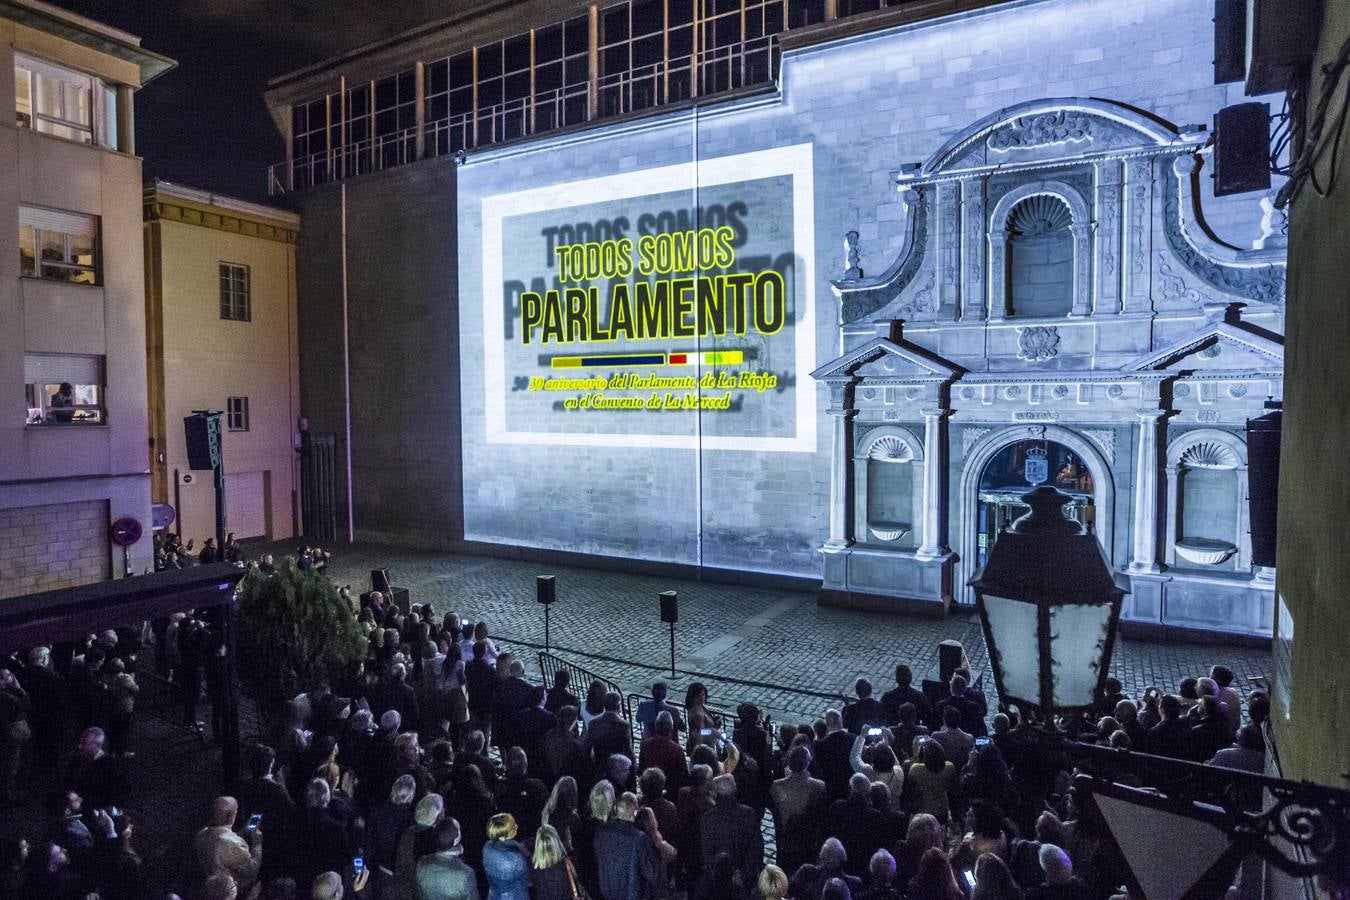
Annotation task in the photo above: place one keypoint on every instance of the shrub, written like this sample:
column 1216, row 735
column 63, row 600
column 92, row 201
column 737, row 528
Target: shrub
column 295, row 631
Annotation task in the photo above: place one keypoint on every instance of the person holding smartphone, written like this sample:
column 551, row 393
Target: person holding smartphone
column 218, row 848
column 872, row 756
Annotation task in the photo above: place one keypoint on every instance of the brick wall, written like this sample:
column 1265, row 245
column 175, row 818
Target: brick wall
column 47, row 547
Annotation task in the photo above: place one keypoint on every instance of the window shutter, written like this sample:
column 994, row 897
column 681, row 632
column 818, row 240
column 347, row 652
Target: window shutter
column 52, row 369
column 55, row 220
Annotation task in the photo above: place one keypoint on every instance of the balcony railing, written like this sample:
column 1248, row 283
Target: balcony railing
column 718, row 70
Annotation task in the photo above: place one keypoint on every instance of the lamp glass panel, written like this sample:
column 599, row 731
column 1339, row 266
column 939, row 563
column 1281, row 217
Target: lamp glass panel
column 1013, row 624
column 1077, row 639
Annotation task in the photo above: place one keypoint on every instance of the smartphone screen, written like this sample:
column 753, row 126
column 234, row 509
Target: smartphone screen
column 873, row 732
column 254, row 821
column 982, row 742
column 358, row 864
column 705, row 732
column 969, row 876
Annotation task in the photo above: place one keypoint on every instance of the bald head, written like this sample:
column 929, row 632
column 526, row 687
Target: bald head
column 223, row 811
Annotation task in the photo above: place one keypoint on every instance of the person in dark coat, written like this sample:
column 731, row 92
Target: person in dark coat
column 904, row 692
column 532, row 723
column 480, row 680
column 559, row 695
column 321, row 844
column 859, row 827
column 609, row 734
column 400, row 695
column 732, row 828
column 629, row 866
column 809, row 880
column 865, row 711
column 443, row 873
column 830, row 756
column 261, row 793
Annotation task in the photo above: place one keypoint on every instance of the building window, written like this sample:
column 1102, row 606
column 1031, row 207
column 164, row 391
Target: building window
column 234, row 294
column 58, row 245
column 236, row 413
column 64, row 390
column 53, row 100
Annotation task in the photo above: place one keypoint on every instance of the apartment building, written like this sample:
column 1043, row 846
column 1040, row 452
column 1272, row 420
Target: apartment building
column 221, row 334
column 72, row 300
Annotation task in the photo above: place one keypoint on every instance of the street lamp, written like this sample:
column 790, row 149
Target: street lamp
column 1049, row 608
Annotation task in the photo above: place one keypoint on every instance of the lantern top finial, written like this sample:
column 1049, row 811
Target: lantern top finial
column 1047, row 513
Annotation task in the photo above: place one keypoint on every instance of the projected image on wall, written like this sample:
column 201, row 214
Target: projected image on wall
column 667, row 307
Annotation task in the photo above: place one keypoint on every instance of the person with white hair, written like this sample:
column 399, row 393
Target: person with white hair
column 732, row 828
column 321, row 842
column 626, row 859
column 388, row 821
column 1060, row 882
column 810, row 879
column 416, row 842
column 327, row 886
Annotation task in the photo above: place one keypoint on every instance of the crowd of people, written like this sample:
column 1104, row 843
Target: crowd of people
column 436, row 770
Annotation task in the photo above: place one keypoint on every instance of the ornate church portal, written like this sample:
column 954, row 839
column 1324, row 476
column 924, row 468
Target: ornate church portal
column 1059, row 311
column 1018, row 468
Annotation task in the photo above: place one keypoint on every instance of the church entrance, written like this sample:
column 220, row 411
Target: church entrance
column 1018, row 468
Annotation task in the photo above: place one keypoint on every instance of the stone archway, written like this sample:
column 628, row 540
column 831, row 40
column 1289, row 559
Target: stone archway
column 979, row 457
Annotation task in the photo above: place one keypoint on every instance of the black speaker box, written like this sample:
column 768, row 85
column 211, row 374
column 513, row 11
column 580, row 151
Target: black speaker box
column 1242, row 149
column 546, row 588
column 203, row 441
column 951, row 656
column 1230, row 41
column 670, row 607
column 1263, row 484
column 379, row 580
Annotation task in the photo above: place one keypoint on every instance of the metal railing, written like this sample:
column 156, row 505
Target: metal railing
column 581, row 678
column 717, row 70
column 729, row 720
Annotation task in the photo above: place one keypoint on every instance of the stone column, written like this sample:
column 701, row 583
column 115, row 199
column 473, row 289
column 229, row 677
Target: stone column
column 841, row 412
column 1146, row 468
column 933, row 536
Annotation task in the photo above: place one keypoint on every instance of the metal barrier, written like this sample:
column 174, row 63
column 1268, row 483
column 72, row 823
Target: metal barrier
column 581, row 678
column 729, row 720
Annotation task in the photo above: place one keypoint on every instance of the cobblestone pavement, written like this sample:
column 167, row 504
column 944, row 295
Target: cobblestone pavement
column 799, row 654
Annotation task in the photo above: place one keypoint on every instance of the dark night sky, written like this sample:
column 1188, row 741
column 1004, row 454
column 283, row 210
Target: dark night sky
column 204, row 123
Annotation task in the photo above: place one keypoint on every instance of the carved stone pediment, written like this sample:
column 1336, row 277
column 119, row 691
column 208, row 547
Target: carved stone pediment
column 1051, row 129
column 1219, row 347
column 881, row 358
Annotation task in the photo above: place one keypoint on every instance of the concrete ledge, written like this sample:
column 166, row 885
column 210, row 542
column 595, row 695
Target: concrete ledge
column 933, row 609
column 1154, row 631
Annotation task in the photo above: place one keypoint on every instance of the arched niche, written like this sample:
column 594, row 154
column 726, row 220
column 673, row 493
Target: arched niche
column 1000, row 234
column 977, row 459
column 1207, row 501
column 888, row 475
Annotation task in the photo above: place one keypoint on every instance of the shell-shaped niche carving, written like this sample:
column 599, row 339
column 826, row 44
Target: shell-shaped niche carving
column 1210, row 455
column 890, row 448
column 1039, row 215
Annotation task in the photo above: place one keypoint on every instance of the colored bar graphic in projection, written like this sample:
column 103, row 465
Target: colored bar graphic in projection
column 706, row 358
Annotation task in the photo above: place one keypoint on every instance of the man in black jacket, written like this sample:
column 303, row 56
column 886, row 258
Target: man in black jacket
column 625, row 858
column 866, row 711
column 859, row 827
column 259, row 793
column 608, row 734
column 902, row 693
column 532, row 723
column 480, row 679
column 732, row 828
column 830, row 762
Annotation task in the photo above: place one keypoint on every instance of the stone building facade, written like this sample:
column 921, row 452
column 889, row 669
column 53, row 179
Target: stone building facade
column 1128, row 383
column 1019, row 184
